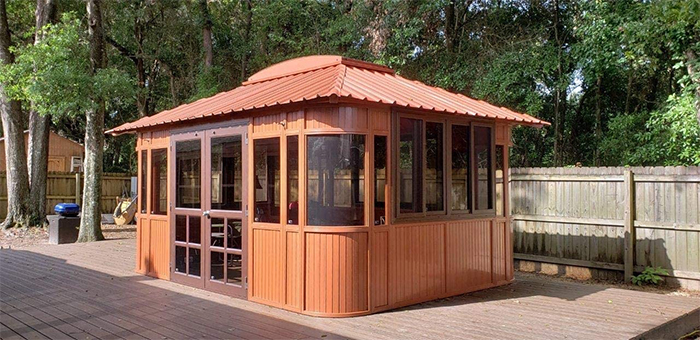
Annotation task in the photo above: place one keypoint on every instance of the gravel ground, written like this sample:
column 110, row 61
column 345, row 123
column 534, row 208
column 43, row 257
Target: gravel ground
column 25, row 237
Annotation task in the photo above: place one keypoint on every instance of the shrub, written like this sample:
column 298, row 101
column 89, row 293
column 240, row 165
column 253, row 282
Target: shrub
column 650, row 275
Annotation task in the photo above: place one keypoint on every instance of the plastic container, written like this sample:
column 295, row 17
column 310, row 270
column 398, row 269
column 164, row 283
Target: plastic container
column 67, row 209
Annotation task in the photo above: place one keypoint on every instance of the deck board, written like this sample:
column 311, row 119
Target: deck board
column 91, row 291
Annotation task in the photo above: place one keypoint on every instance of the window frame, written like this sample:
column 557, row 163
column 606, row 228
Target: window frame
column 447, row 212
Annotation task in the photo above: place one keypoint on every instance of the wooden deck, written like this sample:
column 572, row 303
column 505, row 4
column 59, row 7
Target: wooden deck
column 91, row 291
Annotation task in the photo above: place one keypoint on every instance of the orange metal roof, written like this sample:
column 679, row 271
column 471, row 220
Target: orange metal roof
column 313, row 77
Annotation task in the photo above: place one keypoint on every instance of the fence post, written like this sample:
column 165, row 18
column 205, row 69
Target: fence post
column 630, row 237
column 78, row 188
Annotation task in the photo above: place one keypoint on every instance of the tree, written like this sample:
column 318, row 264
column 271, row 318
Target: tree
column 90, row 223
column 15, row 155
column 38, row 144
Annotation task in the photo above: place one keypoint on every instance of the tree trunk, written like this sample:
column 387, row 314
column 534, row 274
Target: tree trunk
column 206, row 35
column 15, row 155
column 90, row 224
column 598, row 121
column 694, row 73
column 38, row 143
column 246, row 38
column 558, row 114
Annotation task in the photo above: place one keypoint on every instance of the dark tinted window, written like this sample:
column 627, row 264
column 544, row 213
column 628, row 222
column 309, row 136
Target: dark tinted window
column 159, row 181
column 410, row 181
column 335, row 184
column 460, row 168
column 188, row 174
column 226, row 173
column 267, row 180
column 434, row 167
column 293, row 180
column 380, row 155
column 500, row 189
column 144, row 173
column 483, row 183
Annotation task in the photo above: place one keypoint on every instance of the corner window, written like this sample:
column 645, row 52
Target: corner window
column 461, row 187
column 380, row 162
column 267, row 180
column 159, row 181
column 500, row 180
column 483, row 181
column 293, row 180
column 410, row 181
column 336, row 177
column 143, row 187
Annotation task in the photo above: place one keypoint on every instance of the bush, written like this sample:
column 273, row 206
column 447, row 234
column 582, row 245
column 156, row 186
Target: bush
column 650, row 275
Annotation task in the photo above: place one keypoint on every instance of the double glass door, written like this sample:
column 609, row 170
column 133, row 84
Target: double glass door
column 208, row 222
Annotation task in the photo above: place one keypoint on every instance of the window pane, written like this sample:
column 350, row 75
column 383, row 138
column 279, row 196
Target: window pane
column 226, row 173
column 411, row 165
column 195, row 230
column 181, row 228
column 180, row 259
column 195, row 262
column 434, row 167
column 234, row 269
column 217, row 265
column 293, row 179
column 460, row 168
column 234, row 229
column 217, row 232
column 188, row 174
column 484, row 180
column 380, row 180
column 336, row 177
column 267, row 180
column 144, row 173
column 500, row 193
column 159, row 181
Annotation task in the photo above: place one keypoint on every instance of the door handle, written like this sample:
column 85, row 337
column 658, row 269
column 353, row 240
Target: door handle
column 206, row 214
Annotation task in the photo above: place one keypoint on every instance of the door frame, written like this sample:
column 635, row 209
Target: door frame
column 204, row 134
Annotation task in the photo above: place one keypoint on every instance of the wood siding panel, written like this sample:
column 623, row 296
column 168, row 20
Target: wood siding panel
column 345, row 118
column 380, row 119
column 142, row 240
column 268, row 266
column 269, row 123
column 468, row 249
column 159, row 249
column 380, row 269
column 336, row 273
column 294, row 270
column 499, row 252
column 418, row 273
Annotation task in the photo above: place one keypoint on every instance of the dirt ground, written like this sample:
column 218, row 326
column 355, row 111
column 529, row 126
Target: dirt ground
column 25, row 237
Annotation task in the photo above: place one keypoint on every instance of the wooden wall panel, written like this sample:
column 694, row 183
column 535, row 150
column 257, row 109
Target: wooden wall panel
column 498, row 251
column 268, row 266
column 268, row 123
column 159, row 249
column 468, row 251
column 294, row 270
column 142, row 239
column 295, row 120
column 380, row 269
column 345, row 118
column 418, row 270
column 336, row 273
column 380, row 119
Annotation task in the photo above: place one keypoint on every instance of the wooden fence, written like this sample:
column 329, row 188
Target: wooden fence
column 66, row 187
column 614, row 220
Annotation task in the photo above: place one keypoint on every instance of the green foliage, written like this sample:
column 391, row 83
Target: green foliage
column 650, row 275
column 668, row 136
column 55, row 76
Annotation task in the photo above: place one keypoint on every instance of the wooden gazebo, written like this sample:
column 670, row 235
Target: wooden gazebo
column 327, row 186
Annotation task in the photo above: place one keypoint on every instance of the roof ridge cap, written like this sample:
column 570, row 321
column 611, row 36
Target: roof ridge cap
column 292, row 73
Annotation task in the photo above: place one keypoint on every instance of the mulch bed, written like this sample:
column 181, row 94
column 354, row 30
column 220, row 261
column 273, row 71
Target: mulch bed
column 25, row 237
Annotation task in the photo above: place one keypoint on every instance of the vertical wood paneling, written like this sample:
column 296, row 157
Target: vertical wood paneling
column 268, row 123
column 380, row 119
column 295, row 120
column 336, row 273
column 468, row 255
column 159, row 250
column 142, row 240
column 380, row 269
column 268, row 266
column 418, row 270
column 293, row 270
column 499, row 252
column 344, row 117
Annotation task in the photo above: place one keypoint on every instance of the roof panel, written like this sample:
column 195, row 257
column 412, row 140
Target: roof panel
column 308, row 78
